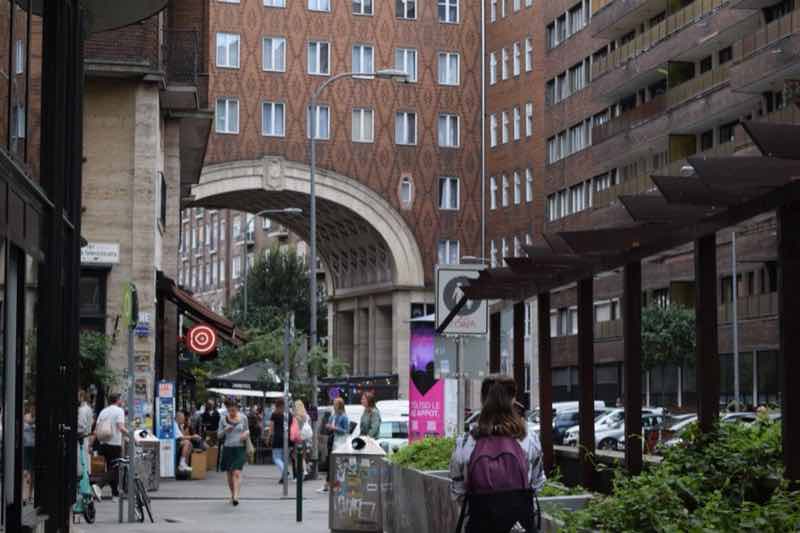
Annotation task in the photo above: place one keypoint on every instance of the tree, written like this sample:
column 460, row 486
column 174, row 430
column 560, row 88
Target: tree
column 278, row 284
column 94, row 370
column 668, row 336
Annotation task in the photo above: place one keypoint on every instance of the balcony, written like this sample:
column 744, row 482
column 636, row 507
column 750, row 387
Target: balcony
column 756, row 306
column 661, row 31
column 609, row 329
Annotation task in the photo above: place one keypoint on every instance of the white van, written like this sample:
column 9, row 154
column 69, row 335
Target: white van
column 393, row 408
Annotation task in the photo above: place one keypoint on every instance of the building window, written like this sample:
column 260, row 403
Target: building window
column 503, row 250
column 505, row 126
column 405, row 128
column 362, row 59
column 321, row 122
column 406, row 191
column 492, row 193
column 517, row 124
column 517, row 247
column 448, row 193
column 228, row 50
column 223, row 230
column 448, row 130
column 362, row 7
column 448, row 11
column 214, row 271
column 517, row 5
column 319, row 5
column 528, row 186
column 504, row 63
column 493, row 12
column 221, row 270
column 503, row 8
column 528, row 119
column 363, row 125
column 272, row 3
column 319, row 58
column 237, row 228
column 274, row 54
column 528, row 54
column 406, row 9
column 18, row 122
column 505, row 191
column 237, row 267
column 448, row 68
column 273, row 120
column 449, row 253
column 493, row 130
column 162, row 200
column 517, row 189
column 405, row 59
column 492, row 68
column 227, row 115
column 492, row 254
column 19, row 57
column 517, row 59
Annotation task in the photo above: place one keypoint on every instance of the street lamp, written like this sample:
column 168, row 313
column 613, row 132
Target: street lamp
column 285, row 211
column 390, row 74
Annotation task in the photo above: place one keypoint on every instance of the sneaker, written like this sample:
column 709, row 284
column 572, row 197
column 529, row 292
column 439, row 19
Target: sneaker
column 114, row 499
column 184, row 468
column 97, row 492
column 322, row 490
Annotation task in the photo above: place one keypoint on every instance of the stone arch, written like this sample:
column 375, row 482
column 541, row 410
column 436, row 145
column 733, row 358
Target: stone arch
column 362, row 239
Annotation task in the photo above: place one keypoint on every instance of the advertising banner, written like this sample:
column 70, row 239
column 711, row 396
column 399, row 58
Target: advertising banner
column 426, row 393
column 164, row 426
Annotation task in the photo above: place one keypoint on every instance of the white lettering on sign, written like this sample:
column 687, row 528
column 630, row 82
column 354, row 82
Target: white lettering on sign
column 100, row 253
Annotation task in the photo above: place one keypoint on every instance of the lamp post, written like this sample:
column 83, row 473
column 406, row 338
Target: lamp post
column 285, row 211
column 392, row 74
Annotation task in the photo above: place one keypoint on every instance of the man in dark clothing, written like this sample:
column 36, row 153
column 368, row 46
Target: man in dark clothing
column 209, row 420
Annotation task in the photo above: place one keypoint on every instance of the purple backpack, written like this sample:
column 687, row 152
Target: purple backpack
column 497, row 464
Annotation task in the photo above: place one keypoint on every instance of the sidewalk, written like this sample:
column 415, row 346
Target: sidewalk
column 203, row 506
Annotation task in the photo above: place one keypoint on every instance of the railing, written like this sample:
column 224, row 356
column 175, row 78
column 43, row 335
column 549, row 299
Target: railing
column 608, row 329
column 755, row 306
column 697, row 85
column 775, row 30
column 629, row 119
column 655, row 34
column 181, row 51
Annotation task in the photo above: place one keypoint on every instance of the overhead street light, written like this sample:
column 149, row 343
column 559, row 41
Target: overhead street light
column 384, row 74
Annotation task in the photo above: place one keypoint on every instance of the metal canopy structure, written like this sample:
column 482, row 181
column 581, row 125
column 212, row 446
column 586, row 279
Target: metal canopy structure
column 721, row 192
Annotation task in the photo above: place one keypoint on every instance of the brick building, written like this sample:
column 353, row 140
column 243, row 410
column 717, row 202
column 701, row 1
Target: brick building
column 631, row 89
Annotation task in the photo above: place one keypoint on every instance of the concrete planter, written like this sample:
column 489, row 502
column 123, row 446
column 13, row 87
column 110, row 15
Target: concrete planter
column 420, row 502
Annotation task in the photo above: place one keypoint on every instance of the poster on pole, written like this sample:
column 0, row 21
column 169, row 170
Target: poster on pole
column 426, row 393
column 164, row 426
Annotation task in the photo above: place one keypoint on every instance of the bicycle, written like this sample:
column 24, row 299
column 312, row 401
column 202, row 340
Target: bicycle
column 142, row 499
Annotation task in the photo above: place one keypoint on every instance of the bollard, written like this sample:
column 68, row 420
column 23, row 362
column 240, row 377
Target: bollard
column 299, row 450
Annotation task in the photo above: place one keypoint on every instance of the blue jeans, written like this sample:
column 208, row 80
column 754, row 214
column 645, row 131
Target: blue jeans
column 279, row 459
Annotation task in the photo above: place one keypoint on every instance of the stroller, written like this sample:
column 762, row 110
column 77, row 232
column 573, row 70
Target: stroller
column 84, row 504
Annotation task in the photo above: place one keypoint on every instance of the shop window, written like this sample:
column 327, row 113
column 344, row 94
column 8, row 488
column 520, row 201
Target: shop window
column 93, row 299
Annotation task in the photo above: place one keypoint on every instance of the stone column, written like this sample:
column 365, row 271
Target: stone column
column 401, row 314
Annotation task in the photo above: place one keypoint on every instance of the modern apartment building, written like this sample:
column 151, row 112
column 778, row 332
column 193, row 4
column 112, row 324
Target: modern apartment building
column 628, row 89
column 399, row 165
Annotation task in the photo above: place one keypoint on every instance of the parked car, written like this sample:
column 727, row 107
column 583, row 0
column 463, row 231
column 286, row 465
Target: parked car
column 567, row 420
column 558, row 407
column 389, row 408
column 603, row 422
column 672, row 435
column 393, row 433
column 613, row 438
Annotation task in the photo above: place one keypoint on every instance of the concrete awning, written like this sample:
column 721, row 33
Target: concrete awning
column 195, row 129
column 104, row 15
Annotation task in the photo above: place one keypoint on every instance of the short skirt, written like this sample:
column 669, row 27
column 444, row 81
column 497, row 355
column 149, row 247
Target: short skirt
column 233, row 458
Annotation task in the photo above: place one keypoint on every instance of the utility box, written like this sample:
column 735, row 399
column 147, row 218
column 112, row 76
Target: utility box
column 355, row 490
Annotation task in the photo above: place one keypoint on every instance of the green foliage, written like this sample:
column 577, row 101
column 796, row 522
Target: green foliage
column 94, row 347
column 277, row 284
column 728, row 480
column 668, row 336
column 431, row 453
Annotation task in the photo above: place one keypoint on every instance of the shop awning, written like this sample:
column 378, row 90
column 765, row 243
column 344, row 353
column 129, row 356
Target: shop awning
column 199, row 312
column 256, row 377
column 245, row 393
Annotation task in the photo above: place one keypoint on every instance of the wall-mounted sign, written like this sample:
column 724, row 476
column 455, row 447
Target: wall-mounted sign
column 473, row 319
column 202, row 339
column 100, row 253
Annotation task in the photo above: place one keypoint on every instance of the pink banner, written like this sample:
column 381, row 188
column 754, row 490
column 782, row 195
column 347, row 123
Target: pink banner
column 426, row 394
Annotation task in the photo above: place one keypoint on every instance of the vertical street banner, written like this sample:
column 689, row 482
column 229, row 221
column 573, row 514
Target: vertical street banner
column 164, row 426
column 426, row 393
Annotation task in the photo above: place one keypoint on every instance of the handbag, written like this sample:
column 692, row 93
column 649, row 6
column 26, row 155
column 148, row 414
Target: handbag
column 104, row 431
column 250, row 450
column 306, row 433
column 294, row 432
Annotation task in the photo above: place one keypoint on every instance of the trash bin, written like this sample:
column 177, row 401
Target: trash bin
column 355, row 491
column 148, row 463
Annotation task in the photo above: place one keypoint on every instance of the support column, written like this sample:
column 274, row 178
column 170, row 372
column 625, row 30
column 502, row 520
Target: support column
column 706, row 352
column 545, row 381
column 372, row 349
column 789, row 325
column 586, row 378
column 632, row 339
column 519, row 352
column 494, row 343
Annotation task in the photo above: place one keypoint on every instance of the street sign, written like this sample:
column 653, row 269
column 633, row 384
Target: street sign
column 100, row 253
column 473, row 319
column 130, row 305
column 475, row 357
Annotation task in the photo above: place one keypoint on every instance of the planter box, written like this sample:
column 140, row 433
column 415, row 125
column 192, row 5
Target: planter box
column 420, row 502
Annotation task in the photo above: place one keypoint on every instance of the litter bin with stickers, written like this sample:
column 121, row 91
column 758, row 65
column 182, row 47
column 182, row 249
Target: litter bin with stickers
column 355, row 489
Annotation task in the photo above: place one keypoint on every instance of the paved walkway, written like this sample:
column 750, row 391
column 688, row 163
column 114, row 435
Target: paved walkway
column 203, row 506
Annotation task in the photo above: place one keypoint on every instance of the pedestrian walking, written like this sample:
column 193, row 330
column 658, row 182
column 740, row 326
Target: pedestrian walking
column 234, row 433
column 301, row 434
column 371, row 418
column 279, row 456
column 497, row 467
column 109, row 431
column 85, row 421
column 339, row 429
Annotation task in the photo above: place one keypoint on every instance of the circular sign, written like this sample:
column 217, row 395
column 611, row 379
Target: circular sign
column 452, row 293
column 202, row 340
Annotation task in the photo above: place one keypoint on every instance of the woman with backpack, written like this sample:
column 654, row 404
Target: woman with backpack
column 496, row 468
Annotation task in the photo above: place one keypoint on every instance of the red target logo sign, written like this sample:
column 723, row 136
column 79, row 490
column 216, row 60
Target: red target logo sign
column 202, row 340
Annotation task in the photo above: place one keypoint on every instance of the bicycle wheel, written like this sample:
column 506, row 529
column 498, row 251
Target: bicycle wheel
column 145, row 498
column 139, row 509
column 89, row 512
